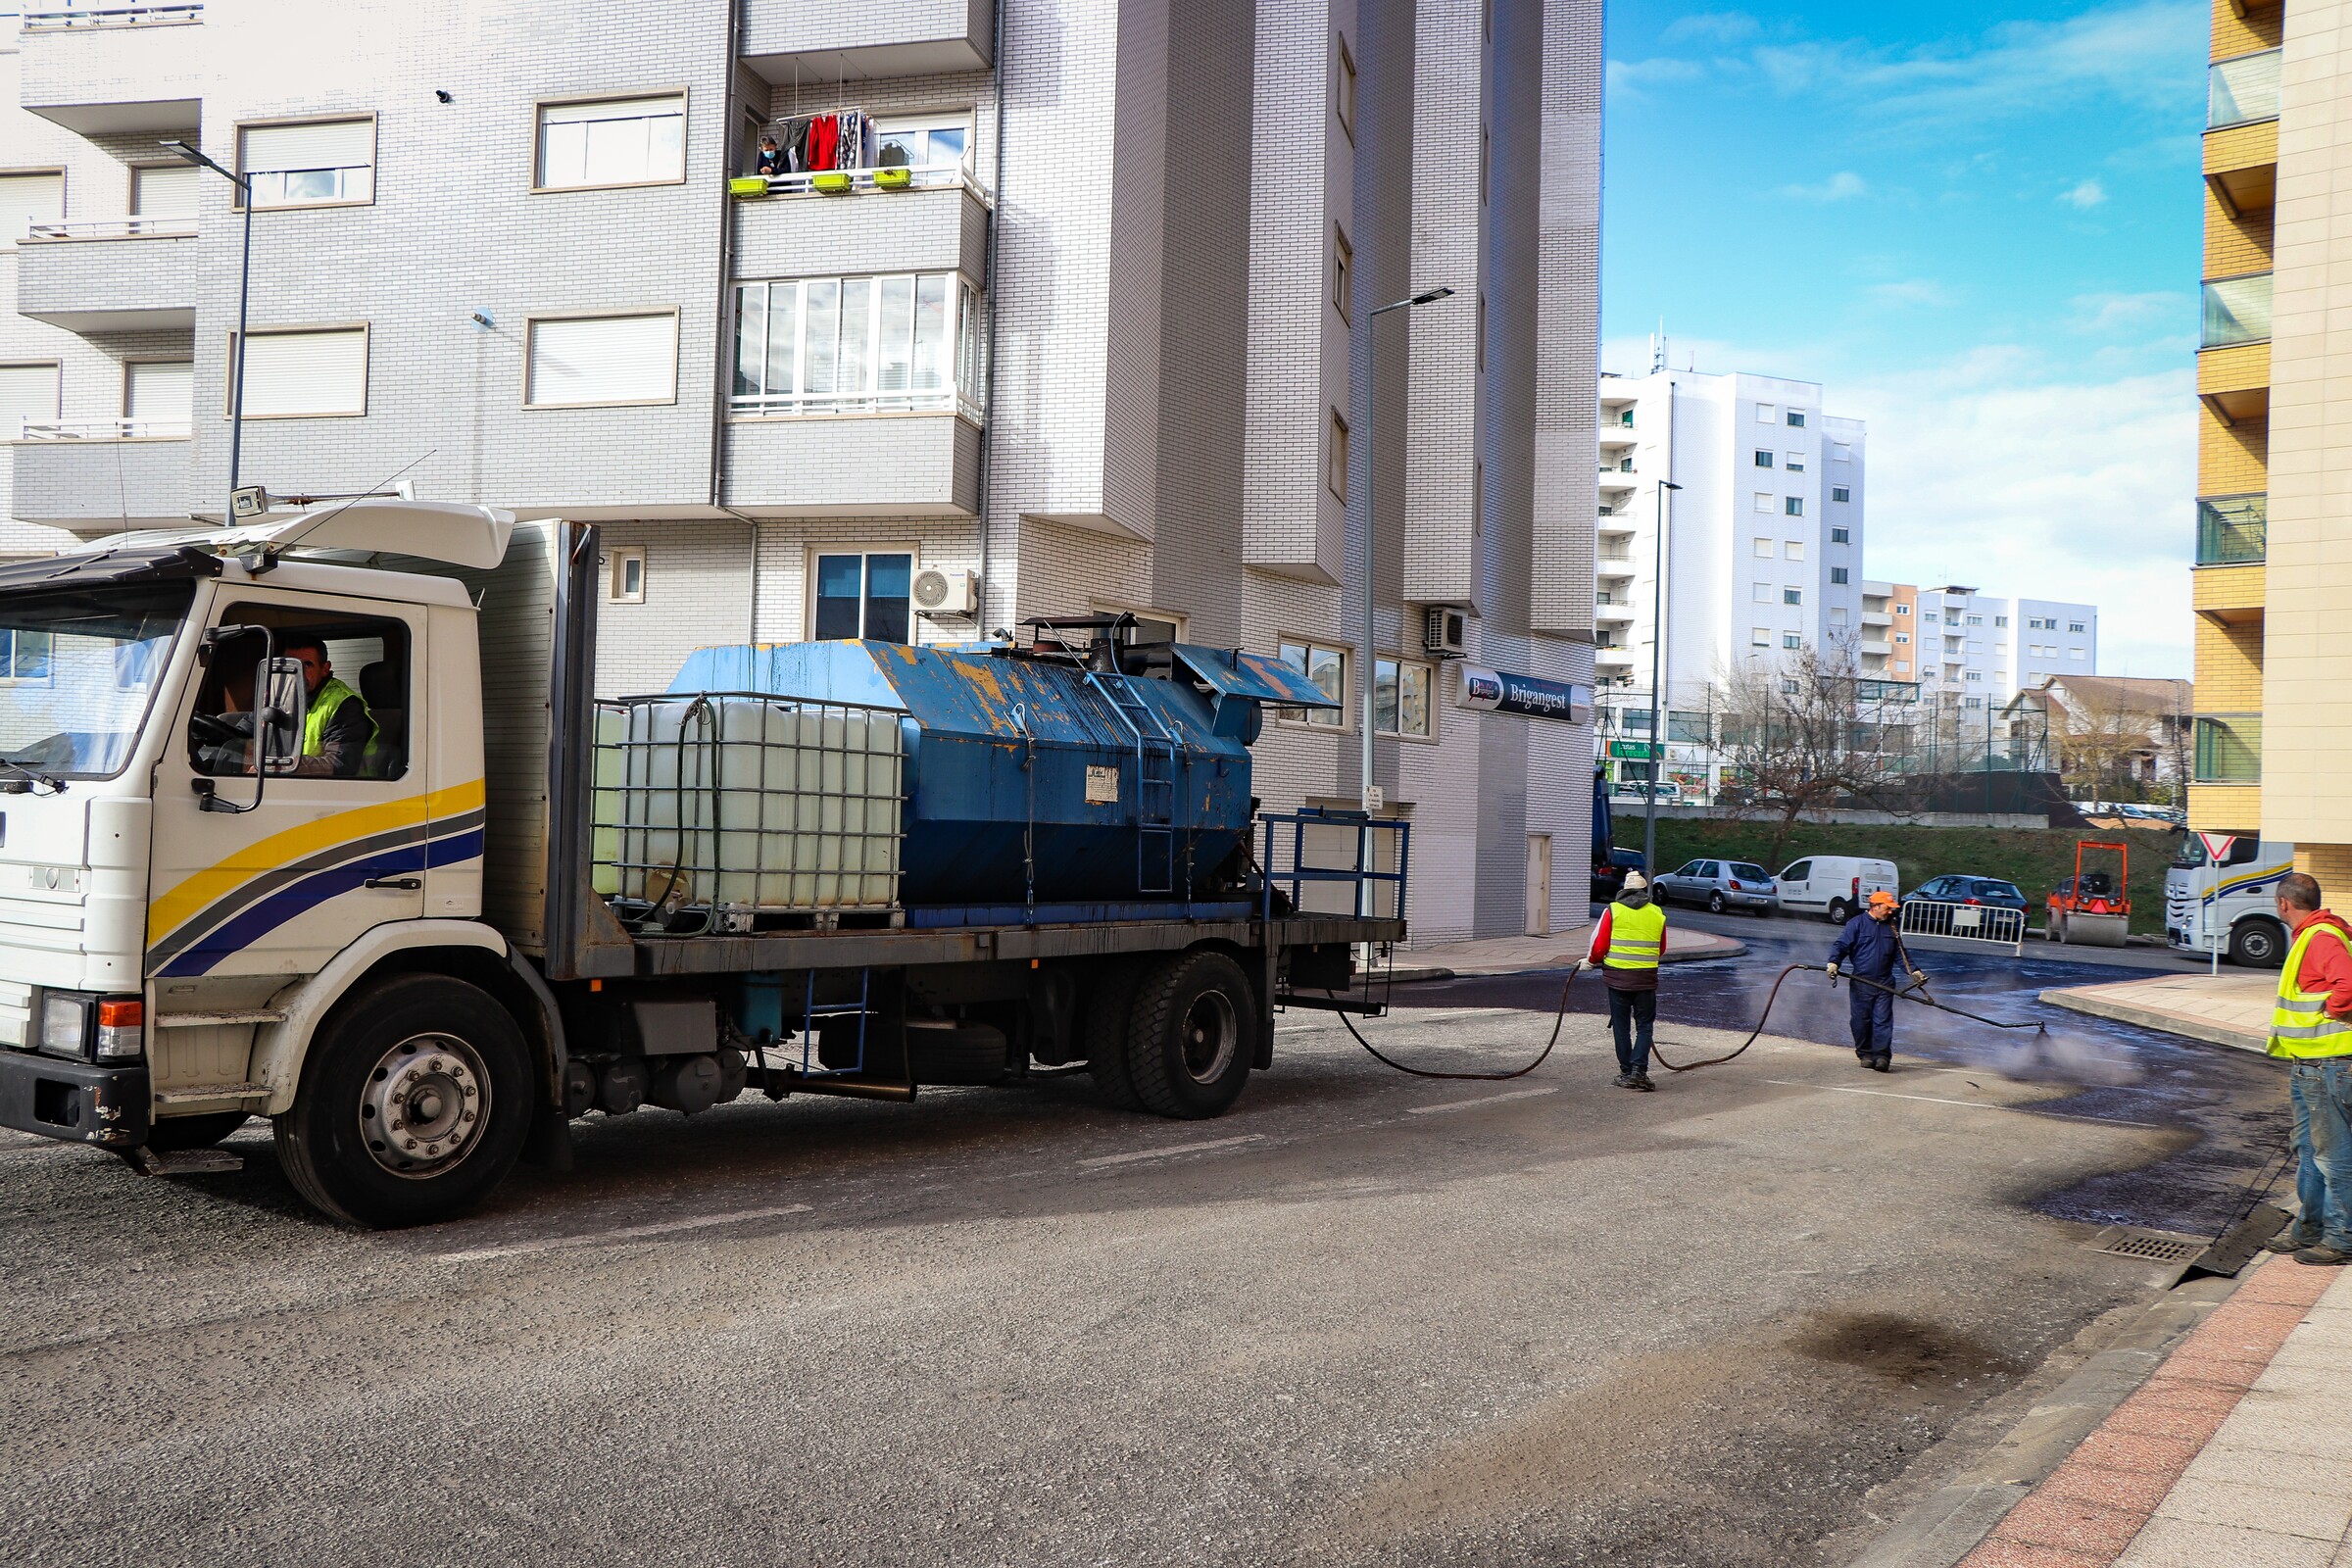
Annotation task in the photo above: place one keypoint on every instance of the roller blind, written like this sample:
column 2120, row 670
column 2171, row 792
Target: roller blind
column 163, row 190
column 616, row 142
column 313, row 144
column 30, row 199
column 604, row 359
column 159, row 391
column 26, row 392
column 307, row 373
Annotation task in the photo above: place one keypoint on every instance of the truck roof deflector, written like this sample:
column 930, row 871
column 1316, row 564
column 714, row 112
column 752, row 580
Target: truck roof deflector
column 460, row 535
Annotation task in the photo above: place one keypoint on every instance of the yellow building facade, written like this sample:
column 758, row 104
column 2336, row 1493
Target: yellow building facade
column 2272, row 591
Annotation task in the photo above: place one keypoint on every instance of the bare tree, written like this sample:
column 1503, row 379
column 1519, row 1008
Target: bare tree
column 1798, row 736
column 2110, row 736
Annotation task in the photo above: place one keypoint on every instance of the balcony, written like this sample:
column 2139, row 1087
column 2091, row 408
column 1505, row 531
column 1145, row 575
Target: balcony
column 121, row 274
column 936, row 220
column 75, row 59
column 1877, row 617
column 2228, row 748
column 2241, row 165
column 2232, row 530
column 1616, row 523
column 2242, row 91
column 910, row 464
column 1614, row 614
column 833, row 39
column 103, row 474
column 2237, row 312
column 1876, row 648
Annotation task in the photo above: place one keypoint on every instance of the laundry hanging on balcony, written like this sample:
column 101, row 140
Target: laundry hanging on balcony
column 820, row 143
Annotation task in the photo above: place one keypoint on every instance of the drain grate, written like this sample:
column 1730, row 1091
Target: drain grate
column 2156, row 1247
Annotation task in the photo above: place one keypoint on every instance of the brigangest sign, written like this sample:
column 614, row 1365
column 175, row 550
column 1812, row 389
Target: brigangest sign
column 1494, row 692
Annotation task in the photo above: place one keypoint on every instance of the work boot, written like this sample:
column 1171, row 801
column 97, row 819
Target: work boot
column 1625, row 1080
column 1866, row 1058
column 1882, row 1063
column 2323, row 1256
column 1643, row 1083
column 2290, row 1240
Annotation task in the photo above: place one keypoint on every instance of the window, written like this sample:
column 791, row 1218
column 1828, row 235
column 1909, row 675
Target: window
column 1975, row 702
column 1796, row 419
column 28, row 657
column 1763, row 413
column 2074, row 625
column 1342, row 95
column 163, row 190
column 1763, row 550
column 1343, row 271
column 28, row 392
column 628, row 576
column 1764, row 501
column 1837, row 615
column 157, row 395
column 30, row 199
column 1839, row 574
column 1401, row 696
column 1839, row 492
column 304, row 373
column 602, row 361
column 2077, row 654
column 933, row 141
column 1905, row 610
column 1327, row 667
column 1335, row 458
column 1839, row 452
column 617, row 141
column 858, row 344
column 1759, row 637
column 1787, row 688
column 1794, row 463
column 310, row 163
column 1763, row 459
column 357, row 664
column 1976, row 620
column 1842, row 536
column 1792, row 640
column 1793, row 506
column 1793, row 596
column 1763, row 593
column 1794, row 550
column 1928, row 618
column 1975, row 674
column 1902, row 636
column 863, row 594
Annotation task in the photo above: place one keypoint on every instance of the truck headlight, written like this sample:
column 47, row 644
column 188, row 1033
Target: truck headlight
column 90, row 1028
column 65, row 1023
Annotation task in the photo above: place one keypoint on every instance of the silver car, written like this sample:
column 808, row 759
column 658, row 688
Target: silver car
column 1720, row 885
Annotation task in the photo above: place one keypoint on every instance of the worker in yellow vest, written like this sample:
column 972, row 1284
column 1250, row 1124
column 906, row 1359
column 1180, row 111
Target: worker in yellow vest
column 2312, row 1027
column 1627, row 946
column 338, row 730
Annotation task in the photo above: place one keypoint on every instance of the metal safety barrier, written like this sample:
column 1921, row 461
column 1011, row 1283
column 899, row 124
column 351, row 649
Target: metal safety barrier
column 1965, row 927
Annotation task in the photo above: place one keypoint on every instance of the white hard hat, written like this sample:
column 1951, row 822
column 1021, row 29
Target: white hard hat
column 1635, row 882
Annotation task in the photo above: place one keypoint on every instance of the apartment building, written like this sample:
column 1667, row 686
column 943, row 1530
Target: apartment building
column 1047, row 309
column 1977, row 652
column 1890, row 648
column 2273, row 584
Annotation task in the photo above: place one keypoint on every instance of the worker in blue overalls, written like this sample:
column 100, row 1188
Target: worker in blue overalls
column 1870, row 948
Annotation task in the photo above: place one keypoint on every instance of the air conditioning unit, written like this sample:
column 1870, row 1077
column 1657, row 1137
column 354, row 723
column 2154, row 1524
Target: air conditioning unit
column 1446, row 632
column 947, row 593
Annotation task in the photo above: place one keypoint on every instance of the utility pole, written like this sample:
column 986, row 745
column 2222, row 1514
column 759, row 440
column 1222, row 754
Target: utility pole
column 1368, row 662
column 1657, row 663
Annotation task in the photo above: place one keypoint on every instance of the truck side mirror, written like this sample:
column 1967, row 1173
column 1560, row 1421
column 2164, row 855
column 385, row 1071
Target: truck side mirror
column 281, row 703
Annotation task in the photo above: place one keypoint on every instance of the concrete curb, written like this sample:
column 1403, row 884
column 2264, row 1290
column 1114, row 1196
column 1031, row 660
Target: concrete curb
column 2078, row 1000
column 1955, row 1519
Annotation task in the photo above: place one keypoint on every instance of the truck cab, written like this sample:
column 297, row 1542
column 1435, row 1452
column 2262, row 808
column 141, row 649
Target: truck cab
column 2233, row 904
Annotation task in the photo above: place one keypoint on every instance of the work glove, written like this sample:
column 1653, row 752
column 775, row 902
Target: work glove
column 1918, row 979
column 1833, row 972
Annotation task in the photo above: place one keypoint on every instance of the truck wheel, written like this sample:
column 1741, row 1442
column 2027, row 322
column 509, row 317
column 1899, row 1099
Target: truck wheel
column 1840, row 912
column 193, row 1132
column 1106, row 1014
column 413, row 1105
column 2257, row 945
column 1190, row 1039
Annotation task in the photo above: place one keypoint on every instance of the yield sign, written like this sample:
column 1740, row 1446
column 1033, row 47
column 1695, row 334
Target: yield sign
column 2218, row 844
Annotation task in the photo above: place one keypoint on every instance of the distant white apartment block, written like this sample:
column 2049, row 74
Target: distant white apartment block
column 1070, row 304
column 1977, row 651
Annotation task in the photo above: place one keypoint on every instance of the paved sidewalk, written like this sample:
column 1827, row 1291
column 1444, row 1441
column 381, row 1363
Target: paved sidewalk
column 1513, row 954
column 2227, row 1009
column 2237, row 1453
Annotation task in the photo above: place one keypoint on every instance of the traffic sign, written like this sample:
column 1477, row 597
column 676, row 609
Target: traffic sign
column 2218, row 844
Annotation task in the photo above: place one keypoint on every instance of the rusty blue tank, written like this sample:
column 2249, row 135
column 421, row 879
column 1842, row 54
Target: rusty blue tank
column 1090, row 782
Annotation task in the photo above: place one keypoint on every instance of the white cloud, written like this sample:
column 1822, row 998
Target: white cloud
column 1843, row 187
column 1714, row 26
column 2125, row 313
column 2090, row 193
column 1630, row 78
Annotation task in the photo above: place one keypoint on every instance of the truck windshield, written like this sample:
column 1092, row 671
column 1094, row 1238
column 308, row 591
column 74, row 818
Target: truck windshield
column 78, row 668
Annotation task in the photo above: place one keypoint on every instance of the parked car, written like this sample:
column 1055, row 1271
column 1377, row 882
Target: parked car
column 1636, row 791
column 1965, row 889
column 1608, row 876
column 1835, row 885
column 1720, row 885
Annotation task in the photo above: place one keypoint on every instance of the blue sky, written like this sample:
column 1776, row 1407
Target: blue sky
column 1978, row 227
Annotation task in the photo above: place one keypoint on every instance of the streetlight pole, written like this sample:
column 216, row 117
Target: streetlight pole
column 1369, row 664
column 1657, row 664
column 236, row 373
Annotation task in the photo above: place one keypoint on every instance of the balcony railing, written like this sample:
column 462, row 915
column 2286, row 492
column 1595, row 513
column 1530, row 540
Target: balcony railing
column 114, row 228
column 56, row 18
column 2232, row 530
column 950, row 400
column 2238, row 310
column 2241, row 91
column 106, row 430
column 2228, row 748
column 860, row 181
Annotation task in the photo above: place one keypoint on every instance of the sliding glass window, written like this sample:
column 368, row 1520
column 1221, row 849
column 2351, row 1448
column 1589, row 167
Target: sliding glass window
column 909, row 343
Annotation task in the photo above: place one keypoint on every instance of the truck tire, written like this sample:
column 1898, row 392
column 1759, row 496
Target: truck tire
column 2257, row 945
column 1191, row 1036
column 1107, row 1012
column 193, row 1132
column 969, row 1054
column 413, row 1103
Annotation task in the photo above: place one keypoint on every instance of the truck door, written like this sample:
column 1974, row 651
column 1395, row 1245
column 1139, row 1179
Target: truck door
column 333, row 849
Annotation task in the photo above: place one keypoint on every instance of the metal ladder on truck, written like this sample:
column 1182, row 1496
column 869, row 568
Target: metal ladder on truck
column 1154, row 780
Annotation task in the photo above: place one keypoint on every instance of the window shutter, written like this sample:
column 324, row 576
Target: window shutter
column 30, row 199
column 163, row 190
column 159, row 392
column 313, row 144
column 26, row 392
column 305, row 372
column 612, row 109
column 604, row 359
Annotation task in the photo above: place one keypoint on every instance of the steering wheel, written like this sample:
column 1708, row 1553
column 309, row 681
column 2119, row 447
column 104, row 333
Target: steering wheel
column 213, row 727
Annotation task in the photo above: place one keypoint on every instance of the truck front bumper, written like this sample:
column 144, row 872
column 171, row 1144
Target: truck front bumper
column 72, row 1100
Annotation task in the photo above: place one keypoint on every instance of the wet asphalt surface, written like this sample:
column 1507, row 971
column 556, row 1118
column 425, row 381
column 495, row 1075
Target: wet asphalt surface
column 1363, row 1319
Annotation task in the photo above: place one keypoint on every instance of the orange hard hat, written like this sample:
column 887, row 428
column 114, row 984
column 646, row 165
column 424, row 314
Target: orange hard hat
column 1881, row 900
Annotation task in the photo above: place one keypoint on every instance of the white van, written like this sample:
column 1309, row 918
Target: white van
column 1835, row 885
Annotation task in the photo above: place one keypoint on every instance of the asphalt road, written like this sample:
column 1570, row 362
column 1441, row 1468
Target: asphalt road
column 1364, row 1319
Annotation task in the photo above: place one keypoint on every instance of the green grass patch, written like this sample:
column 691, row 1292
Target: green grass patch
column 2035, row 858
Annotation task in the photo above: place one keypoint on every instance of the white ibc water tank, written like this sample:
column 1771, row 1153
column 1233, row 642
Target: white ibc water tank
column 749, row 804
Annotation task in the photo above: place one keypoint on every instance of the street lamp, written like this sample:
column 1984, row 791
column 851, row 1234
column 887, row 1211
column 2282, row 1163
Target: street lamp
column 236, row 373
column 1369, row 664
column 1657, row 645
